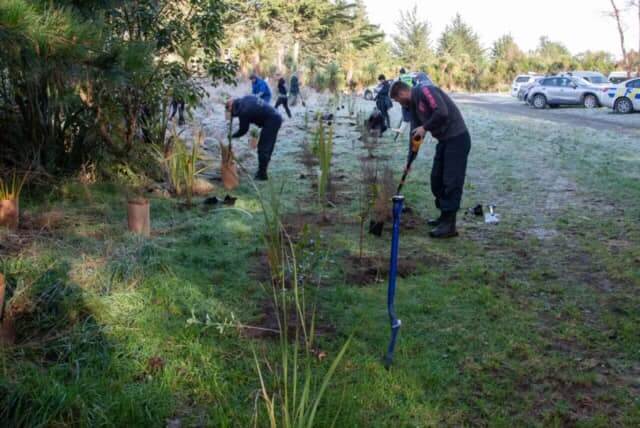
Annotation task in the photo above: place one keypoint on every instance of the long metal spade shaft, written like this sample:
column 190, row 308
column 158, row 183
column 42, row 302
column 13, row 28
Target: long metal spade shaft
column 398, row 202
column 413, row 154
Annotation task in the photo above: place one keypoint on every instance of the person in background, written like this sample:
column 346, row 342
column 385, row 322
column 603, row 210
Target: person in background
column 432, row 110
column 406, row 116
column 405, row 77
column 376, row 123
column 177, row 106
column 283, row 100
column 252, row 110
column 422, row 78
column 383, row 101
column 260, row 89
column 294, row 89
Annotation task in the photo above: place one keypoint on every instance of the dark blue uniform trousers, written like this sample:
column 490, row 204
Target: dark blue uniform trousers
column 449, row 171
column 267, row 141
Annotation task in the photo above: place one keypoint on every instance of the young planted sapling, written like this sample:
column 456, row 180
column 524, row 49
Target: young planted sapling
column 323, row 146
column 366, row 195
column 385, row 189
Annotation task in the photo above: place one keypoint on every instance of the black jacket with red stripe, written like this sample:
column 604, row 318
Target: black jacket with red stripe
column 434, row 109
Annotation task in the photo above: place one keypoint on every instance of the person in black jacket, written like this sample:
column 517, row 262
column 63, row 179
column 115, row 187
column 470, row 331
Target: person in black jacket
column 294, row 90
column 383, row 102
column 251, row 110
column 376, row 124
column 283, row 100
column 433, row 111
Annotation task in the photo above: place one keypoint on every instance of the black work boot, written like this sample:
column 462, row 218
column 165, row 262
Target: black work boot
column 434, row 222
column 261, row 175
column 446, row 228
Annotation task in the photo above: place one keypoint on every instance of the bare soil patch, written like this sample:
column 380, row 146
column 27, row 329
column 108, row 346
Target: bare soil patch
column 273, row 318
column 371, row 270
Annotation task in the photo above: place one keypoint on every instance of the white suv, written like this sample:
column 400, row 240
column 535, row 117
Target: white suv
column 521, row 80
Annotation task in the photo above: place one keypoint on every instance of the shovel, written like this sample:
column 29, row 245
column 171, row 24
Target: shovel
column 398, row 202
column 416, row 142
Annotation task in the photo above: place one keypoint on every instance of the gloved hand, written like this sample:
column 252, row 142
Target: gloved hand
column 418, row 135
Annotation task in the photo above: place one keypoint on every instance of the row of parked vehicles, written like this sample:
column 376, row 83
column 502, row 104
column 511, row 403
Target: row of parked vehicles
column 587, row 88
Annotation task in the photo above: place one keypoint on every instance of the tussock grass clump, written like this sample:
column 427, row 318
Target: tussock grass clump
column 11, row 188
column 180, row 165
column 323, row 145
column 293, row 395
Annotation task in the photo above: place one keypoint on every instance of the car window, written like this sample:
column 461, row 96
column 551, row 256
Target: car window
column 597, row 79
column 634, row 84
column 549, row 82
column 564, row 82
column 522, row 79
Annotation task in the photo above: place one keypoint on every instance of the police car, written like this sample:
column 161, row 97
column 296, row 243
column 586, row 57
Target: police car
column 623, row 98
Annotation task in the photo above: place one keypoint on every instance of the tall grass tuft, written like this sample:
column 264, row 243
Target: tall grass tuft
column 366, row 196
column 293, row 396
column 323, row 146
column 180, row 165
column 11, row 189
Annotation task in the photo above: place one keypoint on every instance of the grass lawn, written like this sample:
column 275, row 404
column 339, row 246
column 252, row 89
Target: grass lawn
column 532, row 322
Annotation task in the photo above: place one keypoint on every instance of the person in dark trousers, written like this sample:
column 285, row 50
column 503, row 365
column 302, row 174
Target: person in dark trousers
column 377, row 123
column 260, row 89
column 383, row 101
column 252, row 110
column 177, row 106
column 433, row 111
column 283, row 99
column 294, row 89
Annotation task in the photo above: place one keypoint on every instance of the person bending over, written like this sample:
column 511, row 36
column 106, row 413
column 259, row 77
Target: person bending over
column 433, row 111
column 252, row 110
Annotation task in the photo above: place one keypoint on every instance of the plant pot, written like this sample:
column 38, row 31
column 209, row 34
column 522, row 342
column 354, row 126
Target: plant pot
column 229, row 173
column 139, row 216
column 376, row 228
column 9, row 213
column 253, row 143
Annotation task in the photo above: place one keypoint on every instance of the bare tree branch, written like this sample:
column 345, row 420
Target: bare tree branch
column 616, row 14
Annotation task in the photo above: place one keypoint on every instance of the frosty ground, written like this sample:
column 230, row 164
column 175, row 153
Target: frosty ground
column 532, row 322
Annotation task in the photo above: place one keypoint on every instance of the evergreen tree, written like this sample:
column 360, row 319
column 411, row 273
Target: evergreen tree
column 411, row 44
column 459, row 39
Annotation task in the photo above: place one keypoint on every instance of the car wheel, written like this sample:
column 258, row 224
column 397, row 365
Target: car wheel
column 624, row 106
column 590, row 101
column 368, row 95
column 539, row 101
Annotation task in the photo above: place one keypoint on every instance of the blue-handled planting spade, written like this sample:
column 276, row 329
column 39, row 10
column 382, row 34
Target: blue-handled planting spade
column 398, row 202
